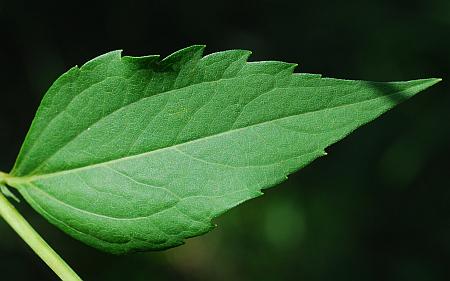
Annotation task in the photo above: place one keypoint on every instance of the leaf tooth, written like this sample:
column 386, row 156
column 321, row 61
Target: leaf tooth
column 141, row 62
column 102, row 59
column 224, row 64
column 179, row 58
column 268, row 67
column 227, row 57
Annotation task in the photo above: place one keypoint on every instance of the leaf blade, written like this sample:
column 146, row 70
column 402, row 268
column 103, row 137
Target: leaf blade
column 180, row 141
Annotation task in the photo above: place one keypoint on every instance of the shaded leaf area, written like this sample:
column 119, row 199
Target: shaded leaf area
column 138, row 153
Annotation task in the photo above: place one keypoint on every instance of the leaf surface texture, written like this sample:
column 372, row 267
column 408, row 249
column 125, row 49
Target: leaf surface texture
column 139, row 153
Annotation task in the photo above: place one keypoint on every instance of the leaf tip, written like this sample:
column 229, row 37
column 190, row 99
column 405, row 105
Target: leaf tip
column 436, row 80
column 426, row 83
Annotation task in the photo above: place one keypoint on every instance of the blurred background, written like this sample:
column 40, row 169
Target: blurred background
column 376, row 208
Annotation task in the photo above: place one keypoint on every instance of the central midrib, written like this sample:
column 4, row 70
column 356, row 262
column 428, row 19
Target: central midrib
column 11, row 180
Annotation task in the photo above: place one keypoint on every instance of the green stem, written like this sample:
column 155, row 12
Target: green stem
column 35, row 241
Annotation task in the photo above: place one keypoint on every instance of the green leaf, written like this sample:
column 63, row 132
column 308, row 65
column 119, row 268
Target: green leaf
column 138, row 153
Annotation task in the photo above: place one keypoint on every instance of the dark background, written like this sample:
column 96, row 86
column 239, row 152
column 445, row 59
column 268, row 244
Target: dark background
column 376, row 208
